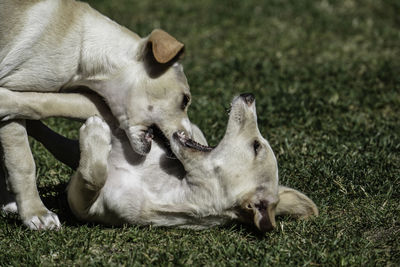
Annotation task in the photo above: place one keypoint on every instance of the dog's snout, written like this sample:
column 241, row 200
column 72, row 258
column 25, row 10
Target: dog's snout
column 248, row 97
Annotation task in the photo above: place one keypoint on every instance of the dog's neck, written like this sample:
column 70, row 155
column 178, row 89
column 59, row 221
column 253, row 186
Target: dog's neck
column 193, row 206
column 198, row 200
column 106, row 47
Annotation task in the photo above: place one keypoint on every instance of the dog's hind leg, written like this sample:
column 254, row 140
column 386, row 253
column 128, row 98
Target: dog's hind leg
column 85, row 185
column 20, row 166
column 64, row 149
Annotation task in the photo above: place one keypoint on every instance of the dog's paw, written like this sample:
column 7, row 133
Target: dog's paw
column 95, row 141
column 95, row 127
column 9, row 208
column 95, row 145
column 47, row 221
column 7, row 199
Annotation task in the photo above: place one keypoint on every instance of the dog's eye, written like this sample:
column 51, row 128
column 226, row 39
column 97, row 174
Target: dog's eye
column 256, row 146
column 185, row 101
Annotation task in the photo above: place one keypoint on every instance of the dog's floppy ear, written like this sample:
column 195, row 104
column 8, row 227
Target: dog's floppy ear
column 292, row 202
column 164, row 46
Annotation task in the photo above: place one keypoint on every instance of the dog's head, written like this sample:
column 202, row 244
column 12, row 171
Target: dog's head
column 245, row 170
column 150, row 90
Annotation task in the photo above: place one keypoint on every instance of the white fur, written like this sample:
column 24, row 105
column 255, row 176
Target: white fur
column 211, row 189
column 62, row 45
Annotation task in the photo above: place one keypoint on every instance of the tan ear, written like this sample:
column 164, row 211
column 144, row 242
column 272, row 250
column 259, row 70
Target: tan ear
column 292, row 202
column 164, row 46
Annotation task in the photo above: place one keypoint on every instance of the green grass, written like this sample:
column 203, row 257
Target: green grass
column 326, row 75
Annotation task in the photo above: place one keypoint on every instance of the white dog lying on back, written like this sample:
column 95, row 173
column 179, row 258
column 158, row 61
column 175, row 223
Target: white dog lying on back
column 237, row 180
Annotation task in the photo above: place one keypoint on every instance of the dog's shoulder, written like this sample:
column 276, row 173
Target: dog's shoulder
column 12, row 14
column 17, row 15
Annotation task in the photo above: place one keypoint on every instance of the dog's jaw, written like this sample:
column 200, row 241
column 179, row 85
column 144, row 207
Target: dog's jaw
column 190, row 153
column 187, row 142
column 140, row 138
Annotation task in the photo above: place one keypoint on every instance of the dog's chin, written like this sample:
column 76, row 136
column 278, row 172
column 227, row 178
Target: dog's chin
column 183, row 141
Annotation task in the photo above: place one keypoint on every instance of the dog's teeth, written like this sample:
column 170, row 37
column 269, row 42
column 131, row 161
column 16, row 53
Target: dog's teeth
column 182, row 134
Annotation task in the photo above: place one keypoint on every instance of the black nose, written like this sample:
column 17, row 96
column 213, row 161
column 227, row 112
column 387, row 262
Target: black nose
column 248, row 97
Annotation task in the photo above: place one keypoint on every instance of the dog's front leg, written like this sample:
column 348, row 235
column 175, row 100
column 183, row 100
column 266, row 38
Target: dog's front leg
column 36, row 106
column 20, row 167
column 85, row 185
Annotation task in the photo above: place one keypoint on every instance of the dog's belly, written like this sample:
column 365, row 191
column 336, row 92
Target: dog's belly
column 138, row 186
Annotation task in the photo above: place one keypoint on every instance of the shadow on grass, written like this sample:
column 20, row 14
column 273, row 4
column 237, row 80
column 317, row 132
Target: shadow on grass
column 54, row 198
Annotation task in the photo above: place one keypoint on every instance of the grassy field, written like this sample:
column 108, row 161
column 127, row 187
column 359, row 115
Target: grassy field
column 326, row 76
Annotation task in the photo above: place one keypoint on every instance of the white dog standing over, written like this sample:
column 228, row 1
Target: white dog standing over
column 64, row 45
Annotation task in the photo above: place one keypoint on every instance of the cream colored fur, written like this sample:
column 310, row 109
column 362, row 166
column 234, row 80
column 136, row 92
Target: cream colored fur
column 237, row 180
column 209, row 188
column 64, row 45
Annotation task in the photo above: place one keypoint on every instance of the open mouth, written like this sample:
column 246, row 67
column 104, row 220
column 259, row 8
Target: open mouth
column 155, row 133
column 159, row 137
column 190, row 143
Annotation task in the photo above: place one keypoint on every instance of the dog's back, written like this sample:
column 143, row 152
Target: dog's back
column 31, row 29
column 11, row 14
